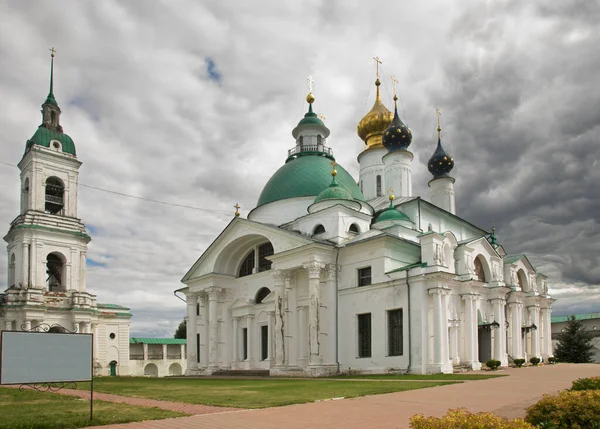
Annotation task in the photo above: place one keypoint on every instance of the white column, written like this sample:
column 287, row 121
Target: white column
column 454, row 355
column 438, row 328
column 145, row 347
column 314, row 278
column 182, row 351
column 515, row 323
column 470, row 320
column 331, row 300
column 226, row 337
column 95, row 340
column 164, row 351
column 27, row 324
column 293, row 332
column 25, row 266
column 279, row 280
column 250, row 327
column 500, row 332
column 302, row 334
column 271, row 322
column 33, row 264
column 547, row 333
column 535, row 333
column 475, row 328
column 236, row 328
column 192, row 331
column 8, row 325
column 213, row 323
column 82, row 270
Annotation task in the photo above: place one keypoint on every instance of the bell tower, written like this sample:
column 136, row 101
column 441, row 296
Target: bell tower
column 46, row 242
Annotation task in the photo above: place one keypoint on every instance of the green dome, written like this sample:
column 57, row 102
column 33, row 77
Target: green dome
column 311, row 119
column 334, row 192
column 392, row 214
column 306, row 176
column 43, row 136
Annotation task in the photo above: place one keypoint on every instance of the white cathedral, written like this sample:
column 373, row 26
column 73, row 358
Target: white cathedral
column 329, row 275
column 47, row 247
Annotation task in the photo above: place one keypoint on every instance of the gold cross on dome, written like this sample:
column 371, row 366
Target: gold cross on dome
column 52, row 51
column 237, row 209
column 439, row 128
column 321, row 116
column 395, row 83
column 333, row 164
column 377, row 62
column 310, row 83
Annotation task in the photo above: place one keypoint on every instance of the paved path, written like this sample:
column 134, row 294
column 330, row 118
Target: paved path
column 165, row 405
column 506, row 396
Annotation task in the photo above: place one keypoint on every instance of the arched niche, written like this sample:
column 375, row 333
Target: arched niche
column 54, row 199
column 175, row 369
column 482, row 269
column 319, row 229
column 25, row 195
column 56, row 279
column 261, row 294
column 232, row 257
column 151, row 370
column 354, row 229
column 11, row 270
column 522, row 281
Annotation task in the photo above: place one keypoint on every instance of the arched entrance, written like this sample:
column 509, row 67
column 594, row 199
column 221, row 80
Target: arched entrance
column 113, row 368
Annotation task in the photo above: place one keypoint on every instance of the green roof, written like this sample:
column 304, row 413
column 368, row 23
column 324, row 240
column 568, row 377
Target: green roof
column 43, row 136
column 334, row 192
column 157, row 341
column 583, row 316
column 112, row 306
column 392, row 214
column 510, row 259
column 306, row 176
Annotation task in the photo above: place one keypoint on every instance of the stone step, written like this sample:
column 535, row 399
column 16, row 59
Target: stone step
column 241, row 373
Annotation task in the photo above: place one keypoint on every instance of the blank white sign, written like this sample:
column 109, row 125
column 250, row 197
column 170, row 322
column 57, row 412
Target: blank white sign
column 39, row 357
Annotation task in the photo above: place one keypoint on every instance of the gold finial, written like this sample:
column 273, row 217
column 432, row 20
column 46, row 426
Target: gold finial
column 310, row 98
column 333, row 171
column 52, row 51
column 377, row 83
column 237, row 210
column 392, row 197
column 439, row 128
column 321, row 116
column 395, row 82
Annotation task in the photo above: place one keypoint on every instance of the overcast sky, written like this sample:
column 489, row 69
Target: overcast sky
column 193, row 103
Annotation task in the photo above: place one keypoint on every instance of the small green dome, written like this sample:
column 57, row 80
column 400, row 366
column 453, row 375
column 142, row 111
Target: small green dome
column 306, row 176
column 392, row 214
column 311, row 119
column 334, row 192
column 43, row 136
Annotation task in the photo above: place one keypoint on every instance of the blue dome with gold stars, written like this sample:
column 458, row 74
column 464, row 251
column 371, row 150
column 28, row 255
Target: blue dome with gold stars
column 441, row 163
column 397, row 136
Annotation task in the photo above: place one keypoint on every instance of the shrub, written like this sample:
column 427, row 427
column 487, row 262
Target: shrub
column 492, row 364
column 592, row 383
column 462, row 419
column 534, row 360
column 567, row 410
column 552, row 360
column 519, row 362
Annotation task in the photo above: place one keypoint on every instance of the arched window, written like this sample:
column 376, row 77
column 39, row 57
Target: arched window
column 25, row 196
column 11, row 271
column 54, row 270
column 247, row 266
column 319, row 139
column 479, row 271
column 319, row 229
column 54, row 195
column 378, row 186
column 353, row 228
column 261, row 294
column 264, row 250
column 300, row 141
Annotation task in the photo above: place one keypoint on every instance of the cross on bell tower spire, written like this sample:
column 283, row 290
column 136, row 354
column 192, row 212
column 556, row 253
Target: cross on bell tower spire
column 50, row 109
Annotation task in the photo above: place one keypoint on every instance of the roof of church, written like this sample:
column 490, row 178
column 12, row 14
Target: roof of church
column 43, row 136
column 509, row 259
column 583, row 316
column 112, row 306
column 306, row 176
column 157, row 340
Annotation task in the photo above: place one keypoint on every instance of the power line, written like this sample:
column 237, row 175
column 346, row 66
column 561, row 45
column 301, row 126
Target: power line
column 151, row 200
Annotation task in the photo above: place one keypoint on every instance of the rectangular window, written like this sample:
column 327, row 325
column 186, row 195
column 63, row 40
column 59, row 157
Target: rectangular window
column 379, row 186
column 245, row 343
column 364, row 276
column 264, row 342
column 364, row 335
column 197, row 347
column 395, row 333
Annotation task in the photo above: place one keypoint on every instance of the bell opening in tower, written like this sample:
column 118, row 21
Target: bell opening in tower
column 55, row 270
column 54, row 195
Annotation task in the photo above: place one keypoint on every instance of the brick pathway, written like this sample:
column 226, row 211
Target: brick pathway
column 506, row 396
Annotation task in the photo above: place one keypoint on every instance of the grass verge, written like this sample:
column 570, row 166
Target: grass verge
column 260, row 393
column 417, row 377
column 36, row 410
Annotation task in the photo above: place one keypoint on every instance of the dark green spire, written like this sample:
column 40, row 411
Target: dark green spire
column 50, row 99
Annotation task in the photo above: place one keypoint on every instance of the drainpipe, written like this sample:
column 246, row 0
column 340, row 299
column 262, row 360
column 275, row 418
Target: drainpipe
column 337, row 333
column 409, row 327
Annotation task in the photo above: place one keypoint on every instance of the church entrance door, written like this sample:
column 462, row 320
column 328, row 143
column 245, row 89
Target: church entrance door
column 113, row 369
column 485, row 344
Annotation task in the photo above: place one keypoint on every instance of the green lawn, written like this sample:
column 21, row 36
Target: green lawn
column 259, row 393
column 35, row 410
column 437, row 377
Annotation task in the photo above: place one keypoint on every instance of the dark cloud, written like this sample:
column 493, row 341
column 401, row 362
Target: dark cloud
column 517, row 83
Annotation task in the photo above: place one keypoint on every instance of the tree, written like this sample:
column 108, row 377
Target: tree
column 181, row 331
column 574, row 343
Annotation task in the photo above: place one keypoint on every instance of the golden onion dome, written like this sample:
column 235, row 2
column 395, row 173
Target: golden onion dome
column 370, row 128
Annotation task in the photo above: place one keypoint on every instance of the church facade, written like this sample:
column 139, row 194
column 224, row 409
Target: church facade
column 46, row 247
column 329, row 275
